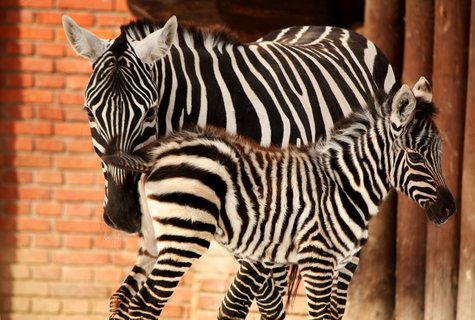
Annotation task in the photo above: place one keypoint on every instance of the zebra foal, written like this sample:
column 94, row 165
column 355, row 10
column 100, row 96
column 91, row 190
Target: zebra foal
column 306, row 205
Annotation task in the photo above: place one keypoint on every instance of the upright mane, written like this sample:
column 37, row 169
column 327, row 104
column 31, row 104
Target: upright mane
column 139, row 29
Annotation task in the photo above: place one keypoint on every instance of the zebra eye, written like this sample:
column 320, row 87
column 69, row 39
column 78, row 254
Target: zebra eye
column 414, row 156
column 90, row 115
column 150, row 115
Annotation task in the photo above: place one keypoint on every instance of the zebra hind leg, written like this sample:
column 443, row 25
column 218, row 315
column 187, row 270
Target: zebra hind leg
column 270, row 296
column 253, row 280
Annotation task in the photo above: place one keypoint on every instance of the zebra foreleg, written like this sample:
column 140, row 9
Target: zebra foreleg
column 317, row 271
column 146, row 258
column 340, row 289
column 183, row 235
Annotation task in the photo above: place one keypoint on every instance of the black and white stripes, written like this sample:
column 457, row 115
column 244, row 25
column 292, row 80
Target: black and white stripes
column 305, row 205
column 289, row 87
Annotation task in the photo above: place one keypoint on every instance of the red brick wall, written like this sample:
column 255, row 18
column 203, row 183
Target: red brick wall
column 58, row 259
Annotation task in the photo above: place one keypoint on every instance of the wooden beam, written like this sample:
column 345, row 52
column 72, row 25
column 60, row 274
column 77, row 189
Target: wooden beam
column 371, row 293
column 449, row 93
column 466, row 283
column 411, row 221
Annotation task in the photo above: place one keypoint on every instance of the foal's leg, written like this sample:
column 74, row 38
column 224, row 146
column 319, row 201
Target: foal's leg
column 146, row 258
column 253, row 280
column 183, row 234
column 340, row 289
column 317, row 271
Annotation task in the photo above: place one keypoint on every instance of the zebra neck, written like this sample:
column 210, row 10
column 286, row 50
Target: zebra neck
column 190, row 80
column 359, row 161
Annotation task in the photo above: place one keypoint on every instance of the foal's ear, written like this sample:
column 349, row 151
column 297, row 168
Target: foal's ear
column 83, row 42
column 157, row 44
column 402, row 109
column 423, row 90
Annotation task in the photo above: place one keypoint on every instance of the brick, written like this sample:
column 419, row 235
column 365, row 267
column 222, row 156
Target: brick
column 102, row 242
column 49, row 81
column 120, row 259
column 16, row 208
column 50, row 145
column 17, row 80
column 111, row 20
column 31, row 256
column 45, row 305
column 131, row 243
column 25, row 193
column 72, row 129
column 46, row 272
column 76, row 82
column 78, row 242
column 48, row 208
column 17, row 176
column 78, row 226
column 47, row 241
column 83, row 145
column 20, row 96
column 77, row 210
column 73, row 66
column 121, row 6
column 80, row 178
column 19, row 48
column 83, row 19
column 50, row 113
column 78, row 290
column 17, row 144
column 71, row 98
column 19, row 16
column 15, row 272
column 36, row 161
column 74, row 273
column 48, row 17
column 15, row 304
column 76, row 306
column 80, row 258
column 49, row 177
column 26, row 127
column 28, row 3
column 32, row 224
column 86, row 4
column 16, row 112
column 172, row 311
column 26, row 64
column 50, row 49
column 68, row 162
column 15, row 240
column 26, row 32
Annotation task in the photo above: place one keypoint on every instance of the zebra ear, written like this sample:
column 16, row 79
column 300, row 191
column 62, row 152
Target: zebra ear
column 157, row 44
column 84, row 42
column 402, row 109
column 422, row 90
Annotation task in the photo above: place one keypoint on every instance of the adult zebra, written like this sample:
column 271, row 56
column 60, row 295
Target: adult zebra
column 195, row 181
column 287, row 88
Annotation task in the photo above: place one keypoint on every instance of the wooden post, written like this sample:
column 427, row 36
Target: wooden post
column 466, row 289
column 449, row 92
column 411, row 220
column 372, row 291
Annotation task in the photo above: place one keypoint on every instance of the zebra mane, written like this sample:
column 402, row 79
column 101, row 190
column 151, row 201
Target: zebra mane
column 139, row 29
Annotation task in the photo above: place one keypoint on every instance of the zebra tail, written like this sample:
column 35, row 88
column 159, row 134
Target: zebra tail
column 293, row 285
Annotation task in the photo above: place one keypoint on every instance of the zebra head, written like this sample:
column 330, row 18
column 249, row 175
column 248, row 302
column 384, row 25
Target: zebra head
column 417, row 169
column 121, row 101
